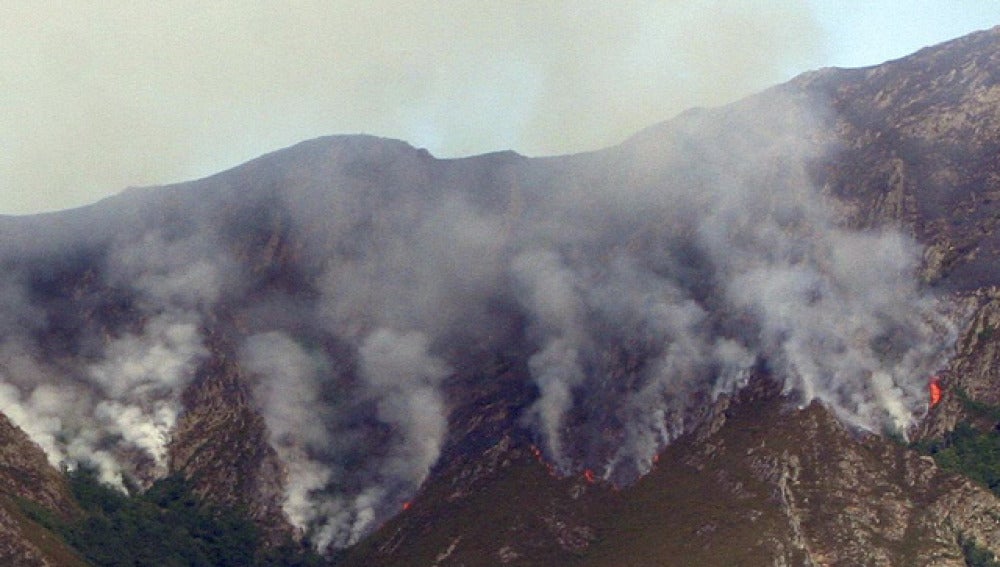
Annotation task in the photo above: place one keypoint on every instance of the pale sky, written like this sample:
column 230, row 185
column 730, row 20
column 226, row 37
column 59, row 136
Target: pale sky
column 99, row 96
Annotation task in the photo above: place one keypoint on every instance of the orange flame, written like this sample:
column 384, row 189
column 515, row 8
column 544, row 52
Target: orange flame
column 541, row 459
column 935, row 390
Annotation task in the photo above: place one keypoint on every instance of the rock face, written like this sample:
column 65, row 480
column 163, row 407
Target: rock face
column 917, row 139
column 326, row 339
column 25, row 475
column 221, row 446
column 26, row 472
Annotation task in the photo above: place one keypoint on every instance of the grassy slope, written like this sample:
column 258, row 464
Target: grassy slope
column 677, row 513
column 717, row 501
column 52, row 546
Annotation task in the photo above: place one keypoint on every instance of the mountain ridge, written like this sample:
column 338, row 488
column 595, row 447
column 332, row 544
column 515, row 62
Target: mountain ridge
column 351, row 333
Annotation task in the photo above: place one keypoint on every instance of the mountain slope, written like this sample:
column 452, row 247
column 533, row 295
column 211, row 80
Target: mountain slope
column 913, row 143
column 681, row 347
column 763, row 484
column 27, row 480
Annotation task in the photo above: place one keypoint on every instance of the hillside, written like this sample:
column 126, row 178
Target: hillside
column 708, row 345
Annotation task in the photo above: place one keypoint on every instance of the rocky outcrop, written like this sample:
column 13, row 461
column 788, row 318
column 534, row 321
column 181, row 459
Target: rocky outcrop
column 221, row 446
column 971, row 375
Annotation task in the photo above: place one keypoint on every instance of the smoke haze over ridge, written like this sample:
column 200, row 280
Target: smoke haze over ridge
column 101, row 97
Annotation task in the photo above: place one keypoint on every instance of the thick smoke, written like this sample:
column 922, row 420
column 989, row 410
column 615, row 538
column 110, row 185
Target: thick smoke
column 117, row 409
column 636, row 285
column 289, row 394
column 399, row 379
column 402, row 378
column 550, row 295
column 640, row 297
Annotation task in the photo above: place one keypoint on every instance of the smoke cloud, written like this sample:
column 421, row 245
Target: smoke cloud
column 399, row 378
column 288, row 390
column 637, row 285
column 115, row 404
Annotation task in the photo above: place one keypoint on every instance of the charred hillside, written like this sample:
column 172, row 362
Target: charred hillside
column 398, row 359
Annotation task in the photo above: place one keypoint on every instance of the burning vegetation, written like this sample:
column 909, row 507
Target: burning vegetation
column 935, row 391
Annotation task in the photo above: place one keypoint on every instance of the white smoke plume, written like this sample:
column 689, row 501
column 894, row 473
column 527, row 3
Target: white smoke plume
column 334, row 502
column 117, row 410
column 287, row 388
column 550, row 294
column 140, row 380
column 403, row 378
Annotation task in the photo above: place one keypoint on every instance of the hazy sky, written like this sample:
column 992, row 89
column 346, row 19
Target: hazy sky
column 98, row 96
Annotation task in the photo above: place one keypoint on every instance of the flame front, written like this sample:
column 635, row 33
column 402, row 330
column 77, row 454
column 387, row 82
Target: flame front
column 935, row 390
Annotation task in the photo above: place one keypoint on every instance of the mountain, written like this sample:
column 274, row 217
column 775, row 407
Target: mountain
column 710, row 344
